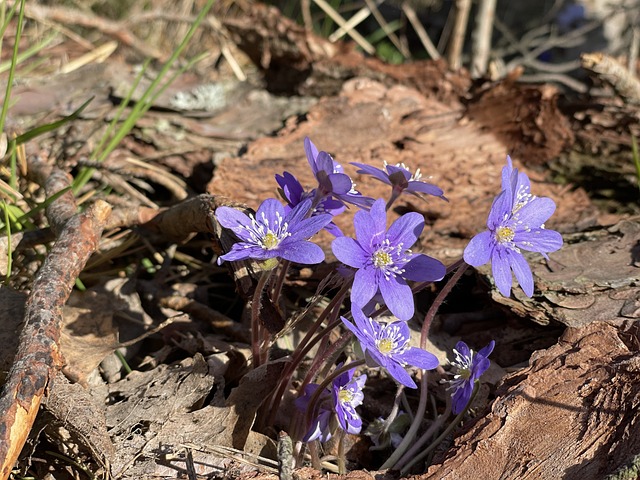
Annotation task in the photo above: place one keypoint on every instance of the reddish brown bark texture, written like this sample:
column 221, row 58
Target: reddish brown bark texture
column 38, row 358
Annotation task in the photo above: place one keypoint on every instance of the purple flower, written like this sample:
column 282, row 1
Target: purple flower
column 272, row 232
column 515, row 223
column 332, row 181
column 320, row 428
column 383, row 259
column 387, row 346
column 401, row 180
column 470, row 366
column 345, row 395
column 291, row 190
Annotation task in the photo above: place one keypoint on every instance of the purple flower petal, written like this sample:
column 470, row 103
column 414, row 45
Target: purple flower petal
column 340, row 183
column 536, row 212
column 312, row 152
column 349, row 252
column 420, row 358
column 406, row 229
column 522, row 272
column 479, row 250
column 373, row 171
column 538, row 240
column 423, row 187
column 397, row 296
column 308, row 227
column 232, row 219
column 422, row 268
column 364, row 286
column 270, row 209
column 486, row 351
column 461, row 397
column 501, row 270
column 306, row 253
column 378, row 215
column 501, row 206
column 396, row 371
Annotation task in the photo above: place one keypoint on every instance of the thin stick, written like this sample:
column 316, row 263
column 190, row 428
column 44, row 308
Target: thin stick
column 454, row 53
column 422, row 33
column 336, row 17
column 481, row 44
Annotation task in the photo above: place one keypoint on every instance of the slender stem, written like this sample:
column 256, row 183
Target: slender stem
column 302, row 349
column 342, row 467
column 415, row 448
column 256, row 306
column 277, row 289
column 331, row 351
column 315, row 457
column 435, row 306
column 396, row 407
column 394, row 196
column 407, row 441
column 424, row 333
column 443, row 435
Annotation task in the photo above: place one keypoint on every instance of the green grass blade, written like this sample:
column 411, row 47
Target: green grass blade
column 7, row 227
column 41, row 206
column 12, row 69
column 30, row 52
column 120, row 110
column 145, row 101
column 33, row 133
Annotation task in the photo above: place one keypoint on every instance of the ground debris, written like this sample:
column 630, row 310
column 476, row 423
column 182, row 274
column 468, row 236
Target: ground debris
column 573, row 412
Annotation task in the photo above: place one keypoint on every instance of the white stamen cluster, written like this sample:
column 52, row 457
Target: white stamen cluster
column 390, row 341
column 268, row 235
column 523, row 196
column 387, row 257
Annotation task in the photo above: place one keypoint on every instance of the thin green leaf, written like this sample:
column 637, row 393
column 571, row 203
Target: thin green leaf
column 33, row 133
column 12, row 69
column 7, row 227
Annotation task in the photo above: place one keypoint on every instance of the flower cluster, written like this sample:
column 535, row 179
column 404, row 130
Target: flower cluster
column 381, row 265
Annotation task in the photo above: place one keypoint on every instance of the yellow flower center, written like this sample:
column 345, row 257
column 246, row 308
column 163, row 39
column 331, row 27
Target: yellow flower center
column 385, row 345
column 505, row 234
column 345, row 396
column 270, row 241
column 382, row 259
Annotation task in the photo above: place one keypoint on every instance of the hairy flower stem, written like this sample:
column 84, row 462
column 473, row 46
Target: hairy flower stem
column 456, row 421
column 326, row 354
column 424, row 334
column 439, row 300
column 256, row 306
column 277, row 289
column 302, row 349
column 394, row 410
column 394, row 196
column 415, row 448
column 313, row 402
column 342, row 466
